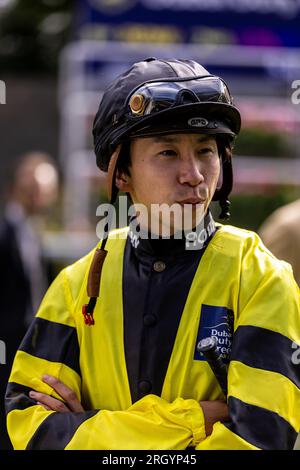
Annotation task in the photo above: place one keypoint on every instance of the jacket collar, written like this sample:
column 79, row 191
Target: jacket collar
column 195, row 240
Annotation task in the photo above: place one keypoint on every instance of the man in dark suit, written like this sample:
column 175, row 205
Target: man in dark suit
column 23, row 279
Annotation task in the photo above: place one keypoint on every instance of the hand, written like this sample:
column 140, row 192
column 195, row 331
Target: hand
column 69, row 401
column 213, row 411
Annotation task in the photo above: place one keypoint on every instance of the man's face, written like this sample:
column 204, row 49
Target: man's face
column 169, row 169
column 36, row 184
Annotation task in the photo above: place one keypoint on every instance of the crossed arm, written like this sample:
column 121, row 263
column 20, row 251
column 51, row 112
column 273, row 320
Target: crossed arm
column 213, row 411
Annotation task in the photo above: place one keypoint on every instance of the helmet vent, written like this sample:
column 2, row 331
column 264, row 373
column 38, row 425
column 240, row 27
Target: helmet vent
column 186, row 97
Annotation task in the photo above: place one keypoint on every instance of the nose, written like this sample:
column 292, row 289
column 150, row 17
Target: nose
column 190, row 171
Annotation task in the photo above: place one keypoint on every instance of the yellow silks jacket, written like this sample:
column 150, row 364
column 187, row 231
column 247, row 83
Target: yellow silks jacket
column 236, row 272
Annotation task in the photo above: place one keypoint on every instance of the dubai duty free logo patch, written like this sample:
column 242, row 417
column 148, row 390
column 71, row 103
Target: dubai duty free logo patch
column 217, row 322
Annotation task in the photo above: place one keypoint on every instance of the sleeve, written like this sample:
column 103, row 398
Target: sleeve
column 264, row 369
column 51, row 346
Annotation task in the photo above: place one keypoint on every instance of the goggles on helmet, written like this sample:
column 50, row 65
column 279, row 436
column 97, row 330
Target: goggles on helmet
column 156, row 96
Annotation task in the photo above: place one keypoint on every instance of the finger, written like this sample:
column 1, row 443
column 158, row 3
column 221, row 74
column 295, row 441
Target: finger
column 50, row 402
column 47, row 408
column 66, row 393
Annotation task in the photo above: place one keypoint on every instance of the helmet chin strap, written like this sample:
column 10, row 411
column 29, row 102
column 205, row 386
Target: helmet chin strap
column 112, row 191
column 94, row 277
column 222, row 194
column 225, row 209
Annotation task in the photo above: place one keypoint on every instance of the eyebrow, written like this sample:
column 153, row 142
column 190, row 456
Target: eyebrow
column 173, row 139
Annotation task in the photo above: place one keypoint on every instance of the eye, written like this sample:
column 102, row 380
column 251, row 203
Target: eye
column 206, row 150
column 168, row 153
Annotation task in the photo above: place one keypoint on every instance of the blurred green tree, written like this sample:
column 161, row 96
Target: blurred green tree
column 32, row 32
column 256, row 142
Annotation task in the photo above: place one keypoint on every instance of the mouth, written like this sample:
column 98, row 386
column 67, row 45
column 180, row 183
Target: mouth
column 192, row 201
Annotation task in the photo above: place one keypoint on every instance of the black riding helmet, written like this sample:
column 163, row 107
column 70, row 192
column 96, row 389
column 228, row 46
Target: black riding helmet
column 158, row 96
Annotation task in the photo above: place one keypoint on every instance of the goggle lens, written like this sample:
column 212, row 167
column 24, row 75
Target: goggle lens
column 157, row 96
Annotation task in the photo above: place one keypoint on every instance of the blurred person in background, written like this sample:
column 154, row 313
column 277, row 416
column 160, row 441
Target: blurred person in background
column 32, row 189
column 281, row 234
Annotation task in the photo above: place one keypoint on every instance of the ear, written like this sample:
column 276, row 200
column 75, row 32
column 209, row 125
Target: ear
column 122, row 181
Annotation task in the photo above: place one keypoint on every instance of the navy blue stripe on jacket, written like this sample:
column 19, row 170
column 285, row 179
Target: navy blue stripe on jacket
column 261, row 427
column 265, row 349
column 64, row 343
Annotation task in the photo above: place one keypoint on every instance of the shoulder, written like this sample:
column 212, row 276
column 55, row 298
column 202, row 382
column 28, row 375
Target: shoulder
column 237, row 239
column 115, row 240
column 248, row 246
column 261, row 280
column 239, row 236
column 236, row 234
column 75, row 275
